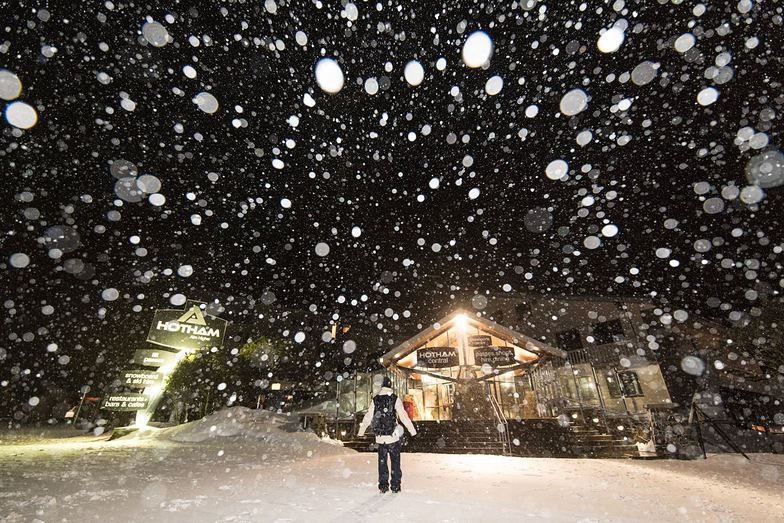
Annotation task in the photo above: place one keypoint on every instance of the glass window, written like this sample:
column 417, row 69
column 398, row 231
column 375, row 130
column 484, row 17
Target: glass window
column 587, row 389
column 569, row 340
column 584, row 384
column 522, row 310
column 630, row 384
column 625, row 383
column 613, row 385
column 608, row 332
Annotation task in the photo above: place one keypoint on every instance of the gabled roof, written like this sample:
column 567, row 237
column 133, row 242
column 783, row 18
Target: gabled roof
column 517, row 338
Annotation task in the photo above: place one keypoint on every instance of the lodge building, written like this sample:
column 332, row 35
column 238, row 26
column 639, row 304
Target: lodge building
column 570, row 376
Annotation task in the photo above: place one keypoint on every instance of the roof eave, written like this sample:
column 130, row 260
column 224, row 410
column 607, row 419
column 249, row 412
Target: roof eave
column 405, row 348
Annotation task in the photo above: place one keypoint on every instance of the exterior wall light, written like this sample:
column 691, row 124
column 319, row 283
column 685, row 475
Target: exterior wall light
column 461, row 322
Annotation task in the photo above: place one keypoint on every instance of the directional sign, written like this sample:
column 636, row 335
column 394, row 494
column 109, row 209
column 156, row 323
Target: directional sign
column 153, row 357
column 188, row 328
column 141, row 378
column 125, row 402
column 495, row 356
column 479, row 341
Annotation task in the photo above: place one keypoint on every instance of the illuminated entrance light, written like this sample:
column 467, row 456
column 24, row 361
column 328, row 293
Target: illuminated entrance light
column 142, row 418
column 156, row 392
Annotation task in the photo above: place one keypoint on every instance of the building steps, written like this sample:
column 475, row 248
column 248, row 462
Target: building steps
column 590, row 443
column 475, row 437
column 529, row 438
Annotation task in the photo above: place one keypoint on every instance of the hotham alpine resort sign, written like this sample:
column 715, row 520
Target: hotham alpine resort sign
column 188, row 328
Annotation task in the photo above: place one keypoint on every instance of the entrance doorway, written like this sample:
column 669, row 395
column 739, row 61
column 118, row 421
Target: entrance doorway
column 442, row 400
column 433, row 399
column 471, row 402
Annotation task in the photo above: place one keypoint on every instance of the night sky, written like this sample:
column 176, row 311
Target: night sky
column 127, row 196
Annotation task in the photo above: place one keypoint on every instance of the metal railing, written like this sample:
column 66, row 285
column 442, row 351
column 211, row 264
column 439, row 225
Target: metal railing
column 605, row 353
column 505, row 438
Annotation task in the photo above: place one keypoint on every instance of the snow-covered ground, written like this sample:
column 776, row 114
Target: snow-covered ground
column 251, row 467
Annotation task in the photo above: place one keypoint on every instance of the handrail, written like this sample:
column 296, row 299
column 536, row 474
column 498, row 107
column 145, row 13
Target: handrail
column 505, row 438
column 602, row 353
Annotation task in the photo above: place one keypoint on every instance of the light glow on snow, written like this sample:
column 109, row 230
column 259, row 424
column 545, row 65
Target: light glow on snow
column 556, row 169
column 206, row 102
column 155, row 34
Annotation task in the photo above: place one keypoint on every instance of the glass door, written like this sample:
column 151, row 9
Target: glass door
column 446, row 393
column 505, row 393
column 438, row 399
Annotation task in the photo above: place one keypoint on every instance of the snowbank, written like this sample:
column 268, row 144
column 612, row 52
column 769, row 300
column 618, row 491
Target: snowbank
column 244, row 425
column 28, row 434
column 323, row 407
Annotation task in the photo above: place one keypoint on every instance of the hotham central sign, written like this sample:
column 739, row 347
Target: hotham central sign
column 437, row 357
column 188, row 328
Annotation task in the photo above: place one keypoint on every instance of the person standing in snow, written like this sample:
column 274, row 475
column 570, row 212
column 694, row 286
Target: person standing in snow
column 383, row 414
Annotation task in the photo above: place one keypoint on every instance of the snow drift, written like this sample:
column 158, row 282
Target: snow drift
column 244, row 425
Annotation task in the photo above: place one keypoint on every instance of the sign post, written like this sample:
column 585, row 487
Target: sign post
column 155, row 391
column 85, row 390
column 183, row 330
column 480, row 341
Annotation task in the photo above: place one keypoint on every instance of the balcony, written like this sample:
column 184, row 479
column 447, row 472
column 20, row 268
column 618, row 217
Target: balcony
column 602, row 354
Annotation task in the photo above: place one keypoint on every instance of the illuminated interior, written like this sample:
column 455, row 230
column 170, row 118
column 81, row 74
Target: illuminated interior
column 469, row 356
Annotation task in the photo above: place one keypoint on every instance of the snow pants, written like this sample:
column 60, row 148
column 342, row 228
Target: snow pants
column 393, row 451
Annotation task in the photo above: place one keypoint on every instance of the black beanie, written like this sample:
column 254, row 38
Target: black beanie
column 386, row 382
